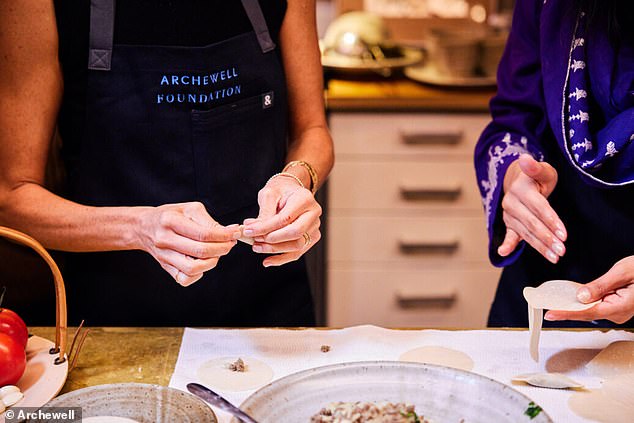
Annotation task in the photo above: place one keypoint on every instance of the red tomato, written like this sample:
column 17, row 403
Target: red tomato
column 14, row 326
column 12, row 360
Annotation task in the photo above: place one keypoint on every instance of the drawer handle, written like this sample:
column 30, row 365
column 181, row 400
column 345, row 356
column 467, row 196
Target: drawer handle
column 431, row 138
column 442, row 194
column 428, row 247
column 426, row 301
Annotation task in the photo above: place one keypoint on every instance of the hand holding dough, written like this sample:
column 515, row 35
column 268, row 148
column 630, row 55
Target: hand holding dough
column 551, row 295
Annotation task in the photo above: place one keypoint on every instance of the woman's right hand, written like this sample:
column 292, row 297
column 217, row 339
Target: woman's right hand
column 185, row 239
column 526, row 212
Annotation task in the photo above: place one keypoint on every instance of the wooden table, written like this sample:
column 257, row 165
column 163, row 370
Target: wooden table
column 113, row 355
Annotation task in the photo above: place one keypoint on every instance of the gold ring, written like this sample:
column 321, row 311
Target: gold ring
column 307, row 239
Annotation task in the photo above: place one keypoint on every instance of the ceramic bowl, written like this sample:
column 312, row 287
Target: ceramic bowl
column 143, row 403
column 440, row 394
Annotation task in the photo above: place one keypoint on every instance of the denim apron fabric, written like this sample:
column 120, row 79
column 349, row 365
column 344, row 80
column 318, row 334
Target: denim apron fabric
column 170, row 124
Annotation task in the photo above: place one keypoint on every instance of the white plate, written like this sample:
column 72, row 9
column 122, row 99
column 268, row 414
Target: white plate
column 340, row 62
column 440, row 394
column 144, row 403
column 42, row 379
column 429, row 75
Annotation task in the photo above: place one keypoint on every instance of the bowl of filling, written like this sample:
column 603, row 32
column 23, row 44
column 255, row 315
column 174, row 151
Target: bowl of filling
column 387, row 391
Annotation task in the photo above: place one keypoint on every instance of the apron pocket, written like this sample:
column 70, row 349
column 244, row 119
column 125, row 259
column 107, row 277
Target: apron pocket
column 236, row 148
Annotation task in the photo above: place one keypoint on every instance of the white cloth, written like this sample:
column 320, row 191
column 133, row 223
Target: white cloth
column 498, row 354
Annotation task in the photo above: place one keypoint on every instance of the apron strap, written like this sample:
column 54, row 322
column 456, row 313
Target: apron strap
column 101, row 34
column 102, row 31
column 254, row 12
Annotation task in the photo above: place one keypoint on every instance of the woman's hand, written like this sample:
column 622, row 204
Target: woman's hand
column 288, row 223
column 185, row 240
column 615, row 290
column 527, row 214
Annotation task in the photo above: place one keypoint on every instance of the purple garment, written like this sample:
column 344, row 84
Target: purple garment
column 551, row 85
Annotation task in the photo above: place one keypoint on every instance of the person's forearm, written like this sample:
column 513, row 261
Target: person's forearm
column 64, row 225
column 310, row 140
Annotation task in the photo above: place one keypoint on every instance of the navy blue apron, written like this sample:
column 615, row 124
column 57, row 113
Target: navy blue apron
column 591, row 249
column 171, row 124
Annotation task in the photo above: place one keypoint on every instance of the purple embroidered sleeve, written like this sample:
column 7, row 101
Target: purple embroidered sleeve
column 518, row 121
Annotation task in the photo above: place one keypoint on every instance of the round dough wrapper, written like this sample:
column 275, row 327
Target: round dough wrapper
column 556, row 295
column 616, row 359
column 216, row 374
column 439, row 355
column 598, row 406
column 621, row 390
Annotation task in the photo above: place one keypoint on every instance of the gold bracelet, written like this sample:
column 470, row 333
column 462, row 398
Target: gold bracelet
column 314, row 179
column 290, row 175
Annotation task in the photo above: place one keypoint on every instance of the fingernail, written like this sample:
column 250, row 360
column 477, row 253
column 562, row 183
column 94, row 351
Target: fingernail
column 551, row 256
column 560, row 234
column 548, row 316
column 258, row 248
column 248, row 232
column 583, row 295
column 559, row 248
column 266, row 264
column 237, row 235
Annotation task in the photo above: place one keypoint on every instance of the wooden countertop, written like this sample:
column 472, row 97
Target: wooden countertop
column 115, row 355
column 402, row 95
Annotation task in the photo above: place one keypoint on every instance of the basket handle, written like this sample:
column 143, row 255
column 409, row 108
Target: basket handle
column 61, row 328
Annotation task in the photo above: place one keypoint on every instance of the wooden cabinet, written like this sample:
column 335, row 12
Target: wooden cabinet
column 406, row 242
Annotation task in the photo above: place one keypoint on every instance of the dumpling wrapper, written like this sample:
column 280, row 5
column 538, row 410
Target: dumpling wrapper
column 535, row 316
column 548, row 380
column 621, row 389
column 597, row 406
column 616, row 359
column 556, row 295
column 551, row 295
column 216, row 373
column 439, row 355
column 245, row 239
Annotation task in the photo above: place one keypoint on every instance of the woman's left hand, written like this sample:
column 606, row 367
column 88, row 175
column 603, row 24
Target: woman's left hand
column 288, row 223
column 615, row 290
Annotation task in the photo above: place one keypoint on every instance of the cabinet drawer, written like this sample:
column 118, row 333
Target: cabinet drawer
column 406, row 134
column 425, row 298
column 409, row 185
column 441, row 240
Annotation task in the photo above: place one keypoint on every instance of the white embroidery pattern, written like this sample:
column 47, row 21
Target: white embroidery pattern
column 497, row 154
column 579, row 42
column 586, row 164
column 572, row 133
column 577, row 65
column 578, row 94
column 586, row 144
column 581, row 116
column 611, row 149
